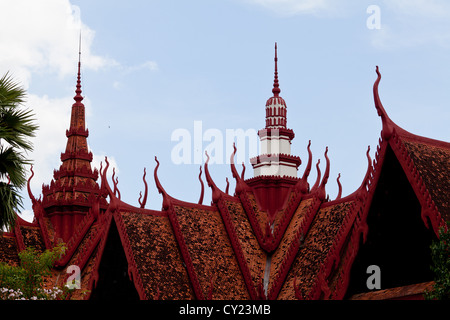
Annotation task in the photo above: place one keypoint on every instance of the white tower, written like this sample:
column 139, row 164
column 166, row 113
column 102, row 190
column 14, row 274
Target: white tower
column 275, row 157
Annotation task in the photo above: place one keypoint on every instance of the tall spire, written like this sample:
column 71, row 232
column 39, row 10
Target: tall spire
column 276, row 87
column 73, row 190
column 276, row 106
column 275, row 157
column 78, row 98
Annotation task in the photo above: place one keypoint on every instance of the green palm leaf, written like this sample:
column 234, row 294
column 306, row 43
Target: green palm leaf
column 10, row 201
column 16, row 128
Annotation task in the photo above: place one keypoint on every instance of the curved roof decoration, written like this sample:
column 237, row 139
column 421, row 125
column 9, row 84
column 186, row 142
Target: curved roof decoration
column 240, row 183
column 144, row 201
column 326, row 175
column 166, row 197
column 215, row 190
column 319, row 175
column 30, row 194
column 339, row 187
column 388, row 124
column 202, row 192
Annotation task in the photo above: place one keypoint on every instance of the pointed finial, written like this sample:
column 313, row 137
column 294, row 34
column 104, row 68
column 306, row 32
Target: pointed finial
column 78, row 98
column 79, row 48
column 276, row 87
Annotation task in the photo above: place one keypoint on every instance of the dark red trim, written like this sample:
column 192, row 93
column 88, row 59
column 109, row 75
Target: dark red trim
column 81, row 155
column 80, row 131
column 276, row 132
column 229, row 227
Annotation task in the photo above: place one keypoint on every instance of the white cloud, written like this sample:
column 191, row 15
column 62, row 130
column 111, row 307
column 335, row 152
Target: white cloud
column 420, row 8
column 43, row 36
column 53, row 118
column 149, row 65
column 146, row 66
column 412, row 23
column 294, row 7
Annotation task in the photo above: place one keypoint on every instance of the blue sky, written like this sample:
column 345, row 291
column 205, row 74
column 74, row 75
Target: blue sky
column 152, row 67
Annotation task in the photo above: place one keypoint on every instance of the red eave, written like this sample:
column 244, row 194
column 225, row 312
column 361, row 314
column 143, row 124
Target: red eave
column 410, row 292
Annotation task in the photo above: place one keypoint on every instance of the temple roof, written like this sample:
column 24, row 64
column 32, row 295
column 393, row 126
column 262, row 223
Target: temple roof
column 425, row 161
column 295, row 244
column 231, row 249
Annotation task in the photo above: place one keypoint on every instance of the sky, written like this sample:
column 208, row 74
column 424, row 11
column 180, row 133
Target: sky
column 154, row 69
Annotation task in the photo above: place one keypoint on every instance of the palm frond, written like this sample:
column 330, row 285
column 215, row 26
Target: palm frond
column 10, row 203
column 11, row 93
column 13, row 164
column 16, row 127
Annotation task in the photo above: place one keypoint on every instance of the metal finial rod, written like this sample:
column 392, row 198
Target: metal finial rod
column 276, row 87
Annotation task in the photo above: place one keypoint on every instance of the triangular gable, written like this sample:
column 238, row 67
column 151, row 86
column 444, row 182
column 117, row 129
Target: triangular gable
column 154, row 260
column 425, row 161
column 307, row 276
column 409, row 183
column 427, row 166
column 209, row 251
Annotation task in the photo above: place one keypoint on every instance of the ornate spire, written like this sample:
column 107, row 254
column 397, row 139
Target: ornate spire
column 73, row 190
column 78, row 98
column 276, row 87
column 275, row 157
column 275, row 105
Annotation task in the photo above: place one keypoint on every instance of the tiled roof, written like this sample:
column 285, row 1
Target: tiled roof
column 414, row 291
column 425, row 161
column 314, row 250
column 8, row 249
column 191, row 251
column 32, row 238
column 155, row 255
column 280, row 258
column 433, row 164
column 210, row 252
column 298, row 246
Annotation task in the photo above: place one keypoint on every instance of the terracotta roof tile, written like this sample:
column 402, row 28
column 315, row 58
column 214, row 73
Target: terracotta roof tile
column 211, row 253
column 157, row 257
column 9, row 250
column 280, row 253
column 255, row 257
column 319, row 240
column 86, row 276
column 261, row 216
column 433, row 164
column 414, row 291
column 32, row 238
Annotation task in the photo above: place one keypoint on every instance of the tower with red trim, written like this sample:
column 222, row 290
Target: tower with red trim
column 73, row 189
column 275, row 139
column 275, row 169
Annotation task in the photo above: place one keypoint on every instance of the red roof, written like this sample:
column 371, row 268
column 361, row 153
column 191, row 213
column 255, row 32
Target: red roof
column 300, row 245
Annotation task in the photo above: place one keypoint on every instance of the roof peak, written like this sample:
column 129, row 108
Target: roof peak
column 276, row 86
